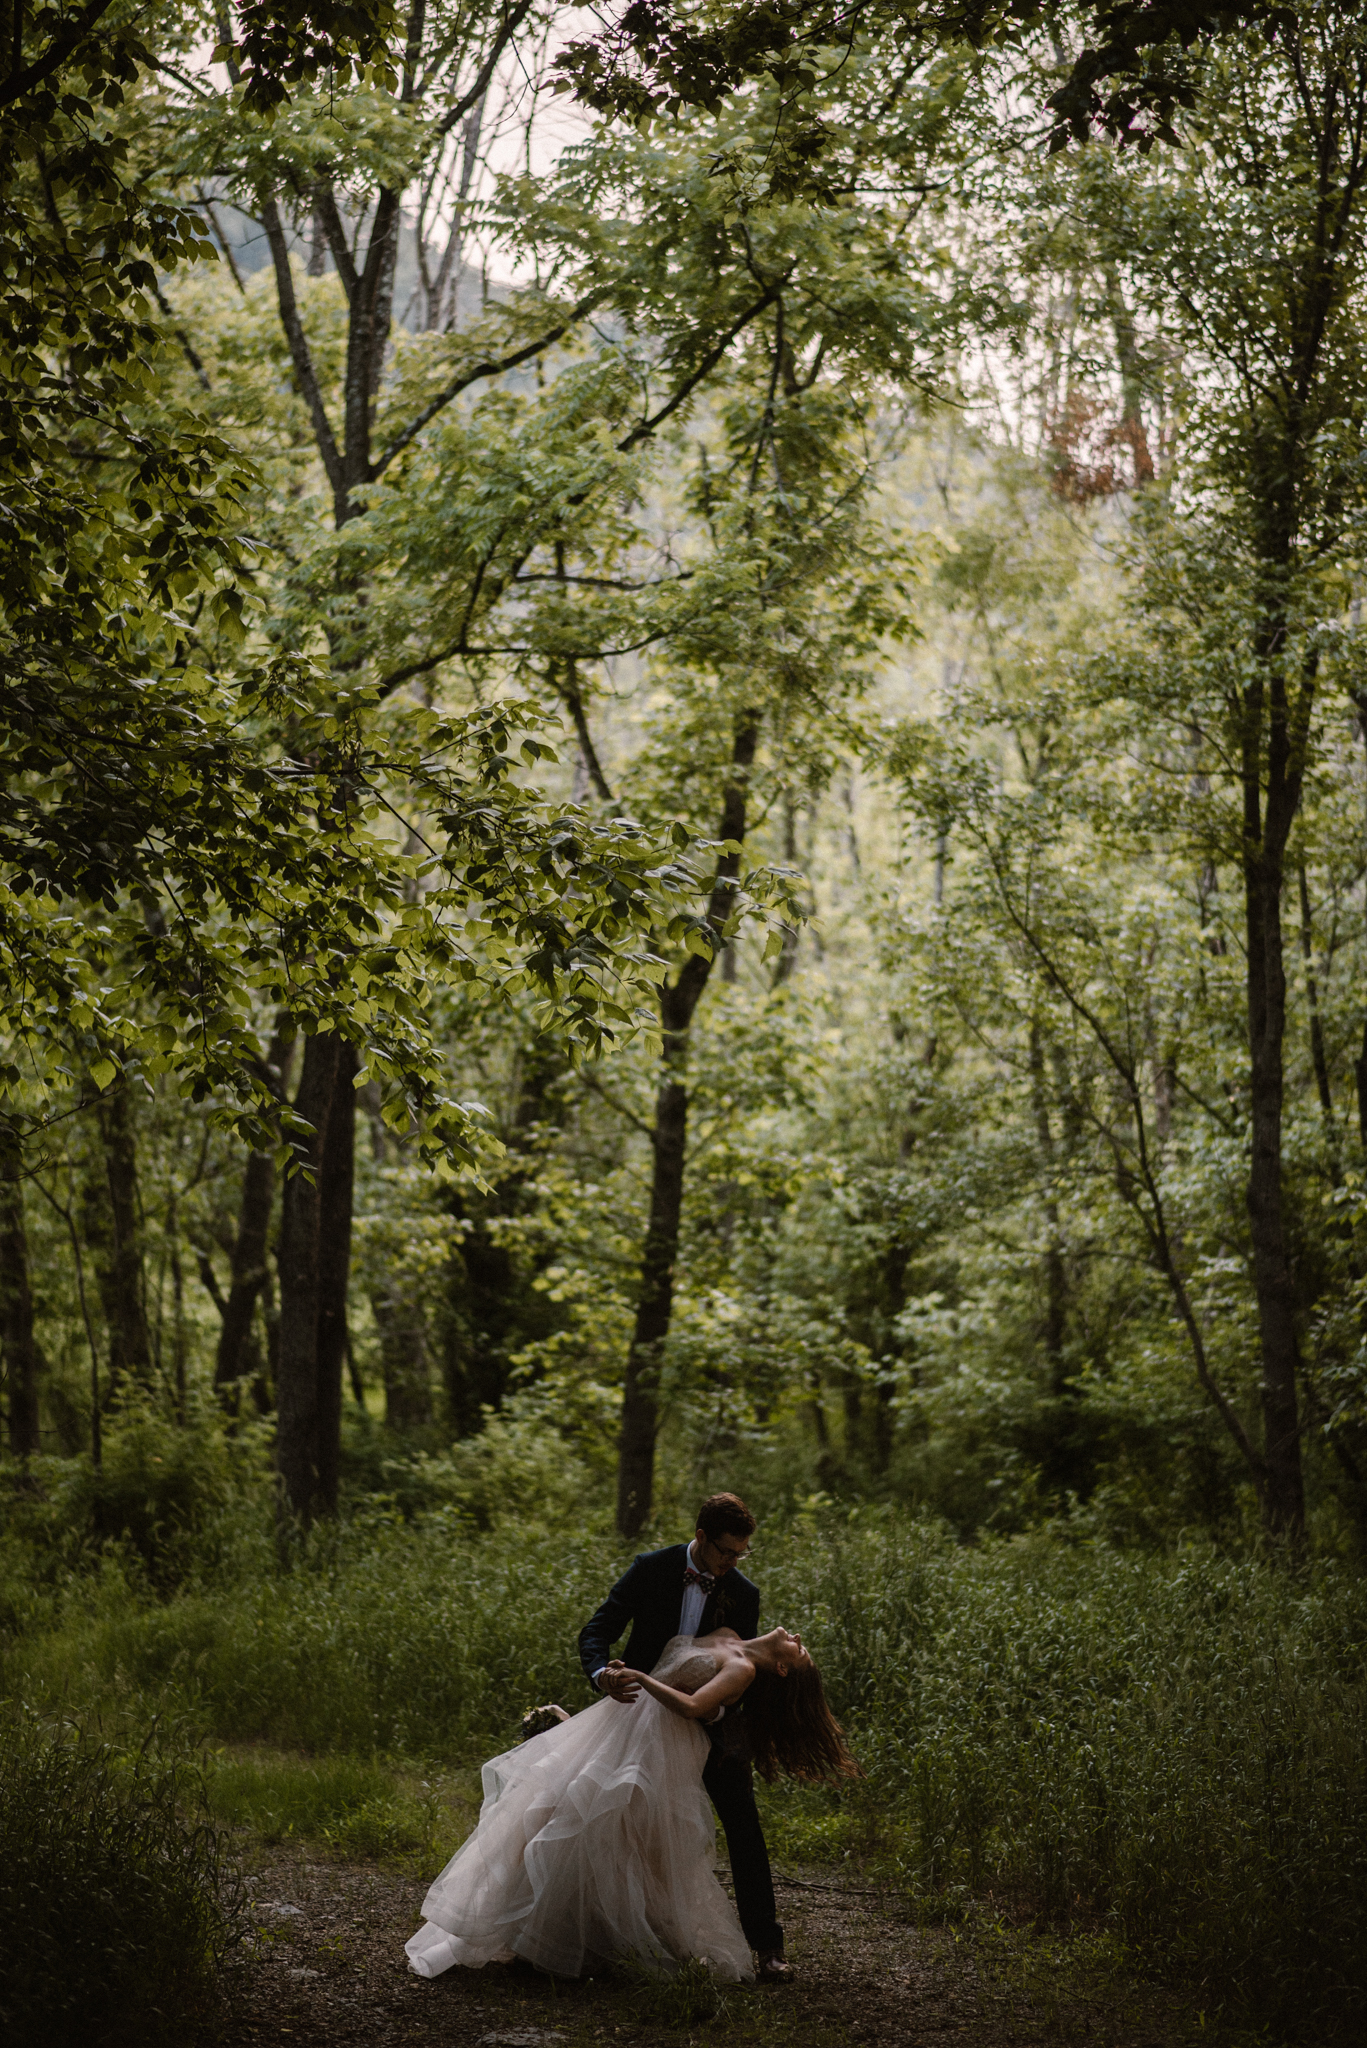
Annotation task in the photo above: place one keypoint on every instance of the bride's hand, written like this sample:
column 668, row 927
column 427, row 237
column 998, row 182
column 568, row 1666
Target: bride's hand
column 621, row 1684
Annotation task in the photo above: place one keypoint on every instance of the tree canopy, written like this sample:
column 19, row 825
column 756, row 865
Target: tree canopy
column 484, row 595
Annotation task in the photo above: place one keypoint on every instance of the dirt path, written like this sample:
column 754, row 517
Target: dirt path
column 330, row 1973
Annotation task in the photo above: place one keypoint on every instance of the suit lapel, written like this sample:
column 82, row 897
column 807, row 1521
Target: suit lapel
column 678, row 1562
column 724, row 1604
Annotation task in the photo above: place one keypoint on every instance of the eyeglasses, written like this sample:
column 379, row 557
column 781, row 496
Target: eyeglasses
column 724, row 1550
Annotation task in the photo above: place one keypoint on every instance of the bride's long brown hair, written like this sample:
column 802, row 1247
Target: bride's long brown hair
column 792, row 1729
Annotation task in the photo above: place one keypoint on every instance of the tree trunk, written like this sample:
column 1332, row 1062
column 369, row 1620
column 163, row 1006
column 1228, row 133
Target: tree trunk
column 17, row 1339
column 178, row 1343
column 113, row 1233
column 1319, row 1058
column 1055, row 1327
column 1284, row 1497
column 299, row 1261
column 263, row 1386
column 238, row 1356
column 248, row 1273
column 655, row 1301
column 335, row 1193
column 1360, row 1063
column 403, row 1357
column 396, row 1305
column 1130, row 362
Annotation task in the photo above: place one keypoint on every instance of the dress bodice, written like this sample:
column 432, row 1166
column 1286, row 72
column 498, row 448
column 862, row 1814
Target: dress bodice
column 684, row 1666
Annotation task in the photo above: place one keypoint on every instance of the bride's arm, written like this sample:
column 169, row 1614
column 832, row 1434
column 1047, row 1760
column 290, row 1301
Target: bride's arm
column 728, row 1685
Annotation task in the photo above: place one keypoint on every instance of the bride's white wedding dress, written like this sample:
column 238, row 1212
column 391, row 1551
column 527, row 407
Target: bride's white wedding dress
column 594, row 1840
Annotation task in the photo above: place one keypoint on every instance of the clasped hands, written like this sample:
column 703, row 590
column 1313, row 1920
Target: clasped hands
column 620, row 1682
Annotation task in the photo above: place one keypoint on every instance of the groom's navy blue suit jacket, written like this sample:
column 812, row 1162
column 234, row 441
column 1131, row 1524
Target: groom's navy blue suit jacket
column 649, row 1595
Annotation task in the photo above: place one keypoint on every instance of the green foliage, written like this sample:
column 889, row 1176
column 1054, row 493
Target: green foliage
column 165, row 1503
column 648, row 62
column 156, row 1491
column 1173, row 1745
column 288, row 44
column 519, row 1466
column 118, row 1907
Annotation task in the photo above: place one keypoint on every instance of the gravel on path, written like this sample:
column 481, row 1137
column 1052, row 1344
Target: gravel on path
column 329, row 1971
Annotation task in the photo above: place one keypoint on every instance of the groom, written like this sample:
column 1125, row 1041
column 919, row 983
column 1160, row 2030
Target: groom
column 688, row 1590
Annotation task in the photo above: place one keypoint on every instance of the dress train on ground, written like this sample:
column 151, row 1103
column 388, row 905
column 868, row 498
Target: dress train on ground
column 595, row 1840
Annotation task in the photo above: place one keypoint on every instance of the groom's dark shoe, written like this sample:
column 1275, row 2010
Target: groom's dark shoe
column 771, row 1968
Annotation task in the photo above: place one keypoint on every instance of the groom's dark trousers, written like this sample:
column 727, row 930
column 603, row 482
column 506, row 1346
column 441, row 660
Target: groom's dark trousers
column 650, row 1598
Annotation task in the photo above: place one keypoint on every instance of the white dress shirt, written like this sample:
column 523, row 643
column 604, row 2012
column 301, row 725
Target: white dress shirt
column 694, row 1598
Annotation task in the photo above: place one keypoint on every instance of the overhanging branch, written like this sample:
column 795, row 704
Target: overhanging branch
column 492, row 367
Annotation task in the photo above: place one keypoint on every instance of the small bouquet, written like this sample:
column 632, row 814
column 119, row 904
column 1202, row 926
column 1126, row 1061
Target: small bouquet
column 540, row 1720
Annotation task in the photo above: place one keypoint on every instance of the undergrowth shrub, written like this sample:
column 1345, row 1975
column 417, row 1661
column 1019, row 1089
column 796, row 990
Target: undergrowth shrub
column 515, row 1470
column 1176, row 1745
column 117, row 1909
column 156, row 1490
column 165, row 1504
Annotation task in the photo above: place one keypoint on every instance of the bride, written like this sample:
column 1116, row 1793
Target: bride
column 596, row 1838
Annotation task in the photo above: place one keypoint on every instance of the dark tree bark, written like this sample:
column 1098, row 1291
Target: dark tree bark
column 1267, row 828
column 1318, row 1057
column 1055, row 1327
column 655, row 1302
column 17, row 1339
column 300, row 1221
column 405, row 1360
column 400, row 1319
column 239, row 1356
column 263, row 1386
column 178, row 1343
column 787, row 959
column 1293, row 495
column 1360, row 1063
column 112, row 1230
column 404, row 1357
column 236, row 1355
column 335, row 1197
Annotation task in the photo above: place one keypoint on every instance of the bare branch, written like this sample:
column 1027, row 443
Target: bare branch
column 707, row 365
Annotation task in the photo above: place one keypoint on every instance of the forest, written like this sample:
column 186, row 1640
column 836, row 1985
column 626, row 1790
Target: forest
column 683, row 806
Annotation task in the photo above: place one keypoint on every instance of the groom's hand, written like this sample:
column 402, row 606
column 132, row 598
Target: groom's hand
column 619, row 1683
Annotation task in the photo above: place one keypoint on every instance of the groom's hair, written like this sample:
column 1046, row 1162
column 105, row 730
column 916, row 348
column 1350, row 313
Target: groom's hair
column 725, row 1514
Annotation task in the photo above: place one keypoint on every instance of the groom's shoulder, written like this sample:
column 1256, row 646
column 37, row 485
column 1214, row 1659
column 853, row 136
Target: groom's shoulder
column 655, row 1560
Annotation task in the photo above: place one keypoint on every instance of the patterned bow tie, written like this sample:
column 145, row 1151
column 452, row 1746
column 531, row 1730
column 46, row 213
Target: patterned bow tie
column 703, row 1579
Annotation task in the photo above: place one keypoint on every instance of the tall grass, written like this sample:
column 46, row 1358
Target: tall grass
column 1175, row 1747
column 116, row 1906
column 1178, row 1745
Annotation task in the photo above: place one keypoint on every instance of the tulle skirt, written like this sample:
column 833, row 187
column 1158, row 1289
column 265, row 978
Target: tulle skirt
column 594, row 1840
